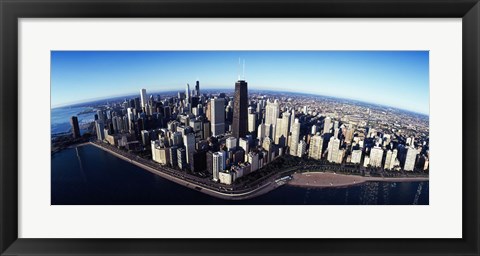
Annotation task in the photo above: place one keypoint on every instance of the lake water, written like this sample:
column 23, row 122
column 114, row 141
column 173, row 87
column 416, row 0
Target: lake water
column 87, row 175
column 60, row 118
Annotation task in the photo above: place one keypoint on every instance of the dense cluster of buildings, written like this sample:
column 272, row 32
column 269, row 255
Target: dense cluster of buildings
column 230, row 136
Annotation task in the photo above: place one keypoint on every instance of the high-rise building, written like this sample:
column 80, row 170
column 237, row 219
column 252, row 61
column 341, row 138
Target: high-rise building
column 376, row 156
column 252, row 122
column 302, row 148
column 189, row 142
column 187, row 93
column 243, row 143
column 182, row 158
column 143, row 98
column 393, row 162
column 333, row 150
column 217, row 116
column 218, row 165
column 326, row 125
column 99, row 126
column 75, row 127
column 240, row 109
column 285, row 128
column 356, row 156
column 410, row 159
column 197, row 88
column 253, row 160
column 295, row 138
column 316, row 144
column 231, row 143
column 272, row 112
column 388, row 159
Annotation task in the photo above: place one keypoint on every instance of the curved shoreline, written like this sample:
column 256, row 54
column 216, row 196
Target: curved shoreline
column 301, row 179
column 333, row 180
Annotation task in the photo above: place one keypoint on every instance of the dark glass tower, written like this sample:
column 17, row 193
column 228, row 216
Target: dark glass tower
column 240, row 109
column 197, row 88
column 75, row 128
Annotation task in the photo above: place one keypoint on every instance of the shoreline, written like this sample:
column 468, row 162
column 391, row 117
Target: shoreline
column 333, row 180
column 300, row 179
column 265, row 188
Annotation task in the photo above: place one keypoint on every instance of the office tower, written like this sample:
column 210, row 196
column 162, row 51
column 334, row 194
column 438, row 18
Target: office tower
column 182, row 158
column 285, row 128
column 272, row 112
column 75, row 127
column 217, row 116
column 295, row 138
column 131, row 118
column 267, row 145
column 410, row 159
column 99, row 126
column 173, row 155
column 231, row 143
column 278, row 131
column 187, row 93
column 326, row 124
column 316, row 144
column 253, row 160
column 197, row 88
column 302, row 148
column 333, row 150
column 218, row 165
column 240, row 109
column 206, row 129
column 244, row 144
column 189, row 142
column 252, row 122
column 145, row 137
column 349, row 134
column 209, row 156
column 143, row 98
column 138, row 105
column 314, row 129
column 261, row 132
column 376, row 155
column 356, row 156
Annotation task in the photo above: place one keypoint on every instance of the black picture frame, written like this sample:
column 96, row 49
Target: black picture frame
column 11, row 11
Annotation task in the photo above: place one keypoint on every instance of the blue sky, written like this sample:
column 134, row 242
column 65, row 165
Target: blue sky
column 393, row 78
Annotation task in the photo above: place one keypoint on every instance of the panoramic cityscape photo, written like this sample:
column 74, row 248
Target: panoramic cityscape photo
column 239, row 127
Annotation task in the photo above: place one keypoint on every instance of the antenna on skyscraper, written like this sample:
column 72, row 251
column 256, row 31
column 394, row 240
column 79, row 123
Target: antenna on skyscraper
column 238, row 70
column 243, row 69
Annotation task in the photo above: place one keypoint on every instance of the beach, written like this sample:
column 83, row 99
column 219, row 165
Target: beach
column 328, row 179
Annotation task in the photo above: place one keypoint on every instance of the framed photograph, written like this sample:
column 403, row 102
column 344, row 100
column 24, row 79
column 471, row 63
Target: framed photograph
column 224, row 127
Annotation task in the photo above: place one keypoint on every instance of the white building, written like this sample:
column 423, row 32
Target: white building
column 295, row 138
column 272, row 112
column 333, row 150
column 218, row 165
column 316, row 143
column 356, row 156
column 410, row 159
column 143, row 98
column 376, row 155
column 231, row 143
column 302, row 148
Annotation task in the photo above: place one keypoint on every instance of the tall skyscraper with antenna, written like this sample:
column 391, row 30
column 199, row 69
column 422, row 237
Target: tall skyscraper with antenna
column 197, row 88
column 240, row 108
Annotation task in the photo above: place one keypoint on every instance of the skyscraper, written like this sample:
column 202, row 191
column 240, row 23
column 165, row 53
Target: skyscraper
column 218, row 165
column 240, row 109
column 376, row 155
column 197, row 88
column 143, row 98
column 75, row 128
column 295, row 138
column 99, row 126
column 316, row 143
column 217, row 116
column 333, row 150
column 326, row 124
column 272, row 111
column 187, row 93
column 410, row 159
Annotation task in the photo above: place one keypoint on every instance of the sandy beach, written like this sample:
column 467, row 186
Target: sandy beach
column 327, row 179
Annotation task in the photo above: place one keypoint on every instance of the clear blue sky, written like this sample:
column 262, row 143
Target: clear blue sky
column 393, row 78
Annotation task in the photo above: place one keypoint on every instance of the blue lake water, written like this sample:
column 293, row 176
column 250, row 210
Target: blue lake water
column 60, row 118
column 87, row 175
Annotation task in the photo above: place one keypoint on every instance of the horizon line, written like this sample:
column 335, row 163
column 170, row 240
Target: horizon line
column 270, row 89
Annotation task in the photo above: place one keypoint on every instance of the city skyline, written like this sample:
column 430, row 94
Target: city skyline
column 407, row 72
